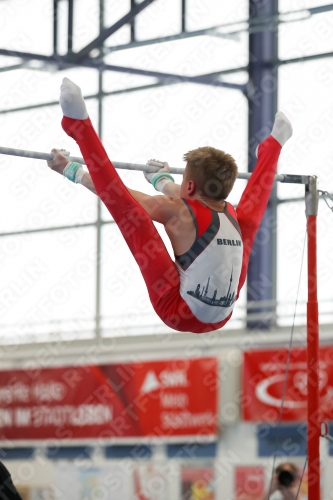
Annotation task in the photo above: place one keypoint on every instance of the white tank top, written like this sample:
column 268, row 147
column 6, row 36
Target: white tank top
column 210, row 270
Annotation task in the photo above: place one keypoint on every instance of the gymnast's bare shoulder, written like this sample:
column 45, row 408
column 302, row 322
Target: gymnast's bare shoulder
column 173, row 214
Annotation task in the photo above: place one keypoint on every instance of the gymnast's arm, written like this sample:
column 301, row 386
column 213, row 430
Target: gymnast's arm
column 170, row 189
column 159, row 208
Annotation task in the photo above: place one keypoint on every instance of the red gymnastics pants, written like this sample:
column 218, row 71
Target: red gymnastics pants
column 157, row 268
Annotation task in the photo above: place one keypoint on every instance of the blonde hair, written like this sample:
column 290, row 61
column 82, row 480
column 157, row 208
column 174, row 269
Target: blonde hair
column 293, row 467
column 213, row 171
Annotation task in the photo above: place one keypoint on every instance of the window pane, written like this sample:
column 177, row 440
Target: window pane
column 291, row 227
column 113, row 11
column 86, row 23
column 34, row 196
column 213, row 13
column 161, row 18
column 304, row 95
column 26, row 26
column 192, row 56
column 25, row 87
column 46, row 288
column 126, row 308
column 306, row 37
column 48, row 284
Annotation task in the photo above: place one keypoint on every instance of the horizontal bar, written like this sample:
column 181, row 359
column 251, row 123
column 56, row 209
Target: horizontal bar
column 321, row 9
column 295, row 179
column 50, row 156
column 56, row 228
column 170, row 38
column 3, row 69
column 172, row 77
column 100, row 66
column 287, row 178
column 312, row 57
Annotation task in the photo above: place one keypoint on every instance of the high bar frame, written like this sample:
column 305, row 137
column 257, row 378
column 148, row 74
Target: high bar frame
column 311, row 203
column 37, row 155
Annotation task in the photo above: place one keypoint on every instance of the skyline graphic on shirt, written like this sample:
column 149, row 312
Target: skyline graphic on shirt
column 201, row 293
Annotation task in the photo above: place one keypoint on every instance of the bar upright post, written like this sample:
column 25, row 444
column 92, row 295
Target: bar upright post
column 311, row 199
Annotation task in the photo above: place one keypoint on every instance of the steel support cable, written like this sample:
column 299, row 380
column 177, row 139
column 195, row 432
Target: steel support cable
column 301, row 478
column 325, row 195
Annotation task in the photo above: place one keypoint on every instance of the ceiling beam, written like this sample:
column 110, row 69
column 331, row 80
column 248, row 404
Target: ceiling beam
column 107, row 32
column 120, row 91
column 100, row 66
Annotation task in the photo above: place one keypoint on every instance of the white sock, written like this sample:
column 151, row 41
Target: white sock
column 282, row 129
column 71, row 101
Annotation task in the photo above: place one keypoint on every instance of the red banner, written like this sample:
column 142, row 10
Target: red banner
column 161, row 398
column 249, row 482
column 264, row 375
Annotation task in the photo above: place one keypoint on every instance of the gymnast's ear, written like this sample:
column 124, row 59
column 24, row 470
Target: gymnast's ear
column 190, row 187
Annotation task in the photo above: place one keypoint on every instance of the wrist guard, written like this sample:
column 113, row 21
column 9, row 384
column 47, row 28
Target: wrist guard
column 72, row 171
column 159, row 176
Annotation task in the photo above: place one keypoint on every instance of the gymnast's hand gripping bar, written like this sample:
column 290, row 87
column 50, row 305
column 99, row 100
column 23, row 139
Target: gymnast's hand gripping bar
column 294, row 179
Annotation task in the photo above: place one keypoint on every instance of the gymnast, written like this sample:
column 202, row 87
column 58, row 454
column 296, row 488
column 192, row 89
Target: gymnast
column 211, row 241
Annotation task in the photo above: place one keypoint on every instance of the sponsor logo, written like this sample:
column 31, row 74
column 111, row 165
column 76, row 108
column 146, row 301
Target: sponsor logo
column 166, row 379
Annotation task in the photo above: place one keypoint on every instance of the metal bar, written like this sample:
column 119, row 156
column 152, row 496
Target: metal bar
column 313, row 57
column 313, row 363
column 101, row 66
column 183, row 16
column 152, row 41
column 290, row 200
column 165, row 76
column 11, row 68
column 314, row 418
column 107, row 32
column 321, row 9
column 99, row 205
column 132, row 22
column 42, row 230
column 132, row 166
column 32, row 55
column 50, row 156
column 120, row 91
column 253, row 26
column 62, row 64
column 262, row 23
column 55, row 26
column 55, row 228
column 263, row 55
column 70, row 25
column 296, row 179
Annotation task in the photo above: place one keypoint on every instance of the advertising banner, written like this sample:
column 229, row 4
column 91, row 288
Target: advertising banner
column 249, row 482
column 133, row 400
column 264, row 374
